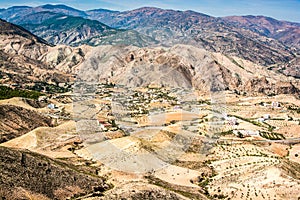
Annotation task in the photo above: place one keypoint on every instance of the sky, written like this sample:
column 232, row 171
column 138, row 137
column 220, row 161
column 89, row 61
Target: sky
column 283, row 10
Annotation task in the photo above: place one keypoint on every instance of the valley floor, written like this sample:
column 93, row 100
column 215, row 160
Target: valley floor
column 174, row 144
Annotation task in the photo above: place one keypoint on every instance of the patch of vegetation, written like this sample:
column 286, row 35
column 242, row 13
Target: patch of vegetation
column 238, row 77
column 174, row 121
column 205, row 102
column 230, row 132
column 270, row 127
column 7, row 92
column 271, row 94
column 278, row 119
column 291, row 168
column 219, row 196
column 249, row 120
column 113, row 123
column 49, row 88
column 271, row 135
column 109, row 85
column 271, row 68
column 240, row 135
column 203, row 182
column 294, row 108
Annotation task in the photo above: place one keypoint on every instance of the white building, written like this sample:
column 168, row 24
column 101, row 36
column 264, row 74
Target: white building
column 261, row 119
column 275, row 104
column 51, row 106
column 231, row 121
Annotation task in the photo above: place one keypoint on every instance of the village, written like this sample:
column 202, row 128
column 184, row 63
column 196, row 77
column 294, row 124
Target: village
column 186, row 139
column 120, row 108
column 250, row 134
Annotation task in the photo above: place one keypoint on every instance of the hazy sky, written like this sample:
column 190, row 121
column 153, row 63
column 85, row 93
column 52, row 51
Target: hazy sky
column 283, row 10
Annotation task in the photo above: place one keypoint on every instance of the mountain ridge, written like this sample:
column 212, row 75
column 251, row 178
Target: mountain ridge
column 284, row 31
column 172, row 27
column 181, row 66
column 66, row 7
column 26, row 58
column 150, row 26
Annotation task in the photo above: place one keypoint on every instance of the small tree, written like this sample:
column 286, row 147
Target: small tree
column 113, row 123
column 240, row 135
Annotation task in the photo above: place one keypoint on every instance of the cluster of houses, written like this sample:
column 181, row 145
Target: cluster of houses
column 105, row 125
column 232, row 121
column 273, row 104
column 139, row 102
column 134, row 103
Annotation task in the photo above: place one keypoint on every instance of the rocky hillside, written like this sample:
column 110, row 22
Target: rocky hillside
column 16, row 121
column 70, row 30
column 62, row 29
column 27, row 58
column 17, row 40
column 188, row 27
column 20, row 51
column 143, row 191
column 59, row 24
column 169, row 27
column 62, row 9
column 103, row 14
column 15, row 14
column 48, row 178
column 182, row 66
column 286, row 32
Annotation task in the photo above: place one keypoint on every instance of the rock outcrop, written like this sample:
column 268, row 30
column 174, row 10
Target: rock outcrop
column 181, row 66
column 29, row 175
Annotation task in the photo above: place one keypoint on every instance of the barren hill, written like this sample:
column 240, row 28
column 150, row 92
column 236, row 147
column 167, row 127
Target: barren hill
column 262, row 40
column 48, row 178
column 188, row 27
column 286, row 32
column 182, row 66
column 28, row 58
column 16, row 121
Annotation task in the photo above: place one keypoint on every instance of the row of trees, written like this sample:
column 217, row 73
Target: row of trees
column 7, row 92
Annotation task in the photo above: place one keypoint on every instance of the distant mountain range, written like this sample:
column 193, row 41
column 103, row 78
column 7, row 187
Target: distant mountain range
column 259, row 39
column 71, row 30
column 286, row 32
column 60, row 24
column 25, row 58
